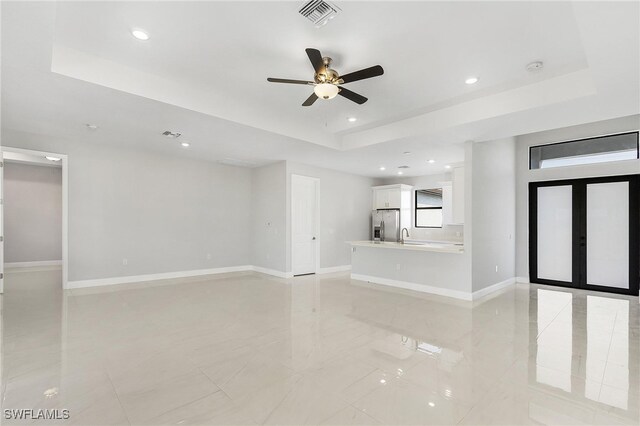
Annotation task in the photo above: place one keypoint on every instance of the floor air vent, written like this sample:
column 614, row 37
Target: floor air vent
column 319, row 12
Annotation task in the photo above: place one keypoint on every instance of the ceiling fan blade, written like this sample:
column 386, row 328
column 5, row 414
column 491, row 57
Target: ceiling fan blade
column 286, row 80
column 352, row 96
column 362, row 74
column 316, row 59
column 310, row 100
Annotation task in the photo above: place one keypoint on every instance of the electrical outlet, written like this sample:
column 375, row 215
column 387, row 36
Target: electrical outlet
column 496, row 268
column 208, row 256
column 397, row 267
column 458, row 233
column 125, row 262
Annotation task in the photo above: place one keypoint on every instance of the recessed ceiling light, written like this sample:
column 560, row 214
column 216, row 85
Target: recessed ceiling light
column 447, row 166
column 471, row 80
column 431, row 404
column 91, row 126
column 140, row 35
column 352, row 119
column 431, row 161
column 383, row 381
column 383, row 168
column 185, row 144
column 400, row 173
column 53, row 158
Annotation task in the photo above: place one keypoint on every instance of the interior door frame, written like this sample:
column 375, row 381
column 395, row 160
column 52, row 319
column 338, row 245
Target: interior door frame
column 579, row 232
column 317, row 224
column 65, row 200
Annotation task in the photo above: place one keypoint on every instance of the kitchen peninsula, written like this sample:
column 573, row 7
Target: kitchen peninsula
column 437, row 268
column 434, row 260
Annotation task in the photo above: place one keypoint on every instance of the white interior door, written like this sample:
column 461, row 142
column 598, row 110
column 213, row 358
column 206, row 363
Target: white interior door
column 555, row 238
column 304, row 221
column 608, row 234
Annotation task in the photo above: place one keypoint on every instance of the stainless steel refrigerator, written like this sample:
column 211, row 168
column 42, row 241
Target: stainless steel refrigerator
column 385, row 225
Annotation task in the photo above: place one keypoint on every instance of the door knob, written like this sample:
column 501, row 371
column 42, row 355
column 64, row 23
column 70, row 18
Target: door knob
column 314, row 238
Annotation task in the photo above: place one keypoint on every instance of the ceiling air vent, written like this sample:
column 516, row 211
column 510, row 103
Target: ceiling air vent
column 403, row 167
column 319, row 12
column 236, row 162
column 171, row 135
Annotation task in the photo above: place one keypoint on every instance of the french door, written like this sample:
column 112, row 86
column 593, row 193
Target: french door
column 585, row 233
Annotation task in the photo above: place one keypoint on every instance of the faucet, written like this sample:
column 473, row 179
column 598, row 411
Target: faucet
column 402, row 235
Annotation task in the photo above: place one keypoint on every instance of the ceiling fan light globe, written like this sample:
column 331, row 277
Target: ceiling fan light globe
column 326, row 90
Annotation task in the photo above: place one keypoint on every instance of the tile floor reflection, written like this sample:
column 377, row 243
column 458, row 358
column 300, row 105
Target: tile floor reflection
column 246, row 348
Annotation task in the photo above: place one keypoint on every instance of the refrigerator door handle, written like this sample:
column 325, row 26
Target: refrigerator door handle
column 382, row 230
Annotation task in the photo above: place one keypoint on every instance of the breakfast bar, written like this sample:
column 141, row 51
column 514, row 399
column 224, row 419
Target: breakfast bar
column 440, row 268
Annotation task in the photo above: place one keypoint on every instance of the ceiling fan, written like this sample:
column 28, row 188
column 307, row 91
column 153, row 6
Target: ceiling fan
column 327, row 82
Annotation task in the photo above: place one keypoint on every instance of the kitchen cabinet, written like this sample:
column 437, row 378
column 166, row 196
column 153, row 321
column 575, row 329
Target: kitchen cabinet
column 392, row 197
column 447, row 203
column 457, row 196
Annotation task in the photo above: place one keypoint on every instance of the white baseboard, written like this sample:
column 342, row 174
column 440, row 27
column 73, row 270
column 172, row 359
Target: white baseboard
column 423, row 288
column 273, row 272
column 171, row 275
column 414, row 286
column 524, row 280
column 332, row 269
column 492, row 288
column 34, row 264
column 153, row 277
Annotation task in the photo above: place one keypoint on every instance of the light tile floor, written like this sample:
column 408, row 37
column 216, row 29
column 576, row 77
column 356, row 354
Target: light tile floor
column 246, row 348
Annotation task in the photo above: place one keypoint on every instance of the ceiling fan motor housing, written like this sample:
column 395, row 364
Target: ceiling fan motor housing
column 326, row 74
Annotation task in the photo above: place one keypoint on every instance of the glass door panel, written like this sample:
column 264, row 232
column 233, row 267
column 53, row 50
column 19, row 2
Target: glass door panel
column 608, row 234
column 555, row 210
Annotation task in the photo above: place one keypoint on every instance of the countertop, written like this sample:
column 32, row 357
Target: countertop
column 443, row 247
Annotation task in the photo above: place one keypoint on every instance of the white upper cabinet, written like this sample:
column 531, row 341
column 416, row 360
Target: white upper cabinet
column 458, row 196
column 447, row 203
column 392, row 197
column 381, row 199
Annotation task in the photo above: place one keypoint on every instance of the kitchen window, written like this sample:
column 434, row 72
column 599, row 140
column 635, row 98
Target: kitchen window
column 428, row 208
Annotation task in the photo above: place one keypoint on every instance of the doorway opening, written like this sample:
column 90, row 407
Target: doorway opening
column 33, row 217
column 305, row 222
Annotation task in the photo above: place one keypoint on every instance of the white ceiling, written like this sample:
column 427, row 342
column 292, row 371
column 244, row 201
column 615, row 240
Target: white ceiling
column 203, row 73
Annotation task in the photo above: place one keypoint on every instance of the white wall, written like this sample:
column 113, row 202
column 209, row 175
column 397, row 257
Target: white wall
column 447, row 232
column 169, row 214
column 493, row 212
column 161, row 213
column 524, row 175
column 268, row 220
column 32, row 213
column 345, row 212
